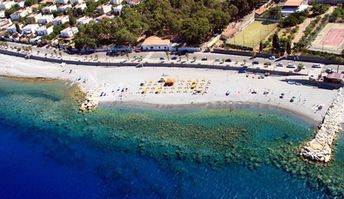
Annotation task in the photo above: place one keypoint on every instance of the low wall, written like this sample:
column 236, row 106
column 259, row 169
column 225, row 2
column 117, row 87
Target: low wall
column 313, row 59
column 267, row 19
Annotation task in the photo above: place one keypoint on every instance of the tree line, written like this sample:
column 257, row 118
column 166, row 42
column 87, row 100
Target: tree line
column 191, row 21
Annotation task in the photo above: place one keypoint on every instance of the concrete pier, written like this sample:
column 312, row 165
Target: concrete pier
column 320, row 148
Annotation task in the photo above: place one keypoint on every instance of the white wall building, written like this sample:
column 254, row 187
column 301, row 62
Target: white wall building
column 133, row 2
column 69, row 32
column 117, row 2
column 118, row 9
column 30, row 29
column 61, row 20
column 81, row 6
column 43, row 30
column 62, row 1
column 64, row 8
column 155, row 43
column 76, row 1
column 21, row 4
column 2, row 13
column 49, row 9
column 5, row 23
column 44, row 19
column 104, row 9
column 21, row 13
column 83, row 20
column 5, row 5
column 12, row 29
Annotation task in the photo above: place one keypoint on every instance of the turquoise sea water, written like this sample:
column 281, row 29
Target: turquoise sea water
column 49, row 150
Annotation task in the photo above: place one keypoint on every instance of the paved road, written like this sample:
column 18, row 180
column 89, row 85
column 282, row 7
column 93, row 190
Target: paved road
column 193, row 58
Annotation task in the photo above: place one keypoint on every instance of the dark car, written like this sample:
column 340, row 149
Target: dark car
column 255, row 62
column 174, row 58
column 204, row 59
column 228, row 60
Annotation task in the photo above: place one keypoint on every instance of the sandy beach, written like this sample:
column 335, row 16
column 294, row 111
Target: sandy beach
column 141, row 85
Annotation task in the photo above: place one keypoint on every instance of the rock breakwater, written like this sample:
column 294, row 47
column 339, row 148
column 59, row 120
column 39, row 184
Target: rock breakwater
column 320, row 148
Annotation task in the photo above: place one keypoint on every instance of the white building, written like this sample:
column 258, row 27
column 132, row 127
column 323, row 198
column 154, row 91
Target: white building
column 43, row 30
column 117, row 2
column 61, row 20
column 76, row 1
column 49, row 9
column 104, row 9
column 35, row 16
column 69, row 32
column 44, row 19
column 83, row 20
column 81, row 6
column 118, row 9
column 62, row 1
column 30, row 29
column 155, row 43
column 21, row 4
column 5, row 23
column 104, row 16
column 21, row 13
column 64, row 8
column 291, row 6
column 5, row 5
column 12, row 29
column 2, row 13
column 133, row 2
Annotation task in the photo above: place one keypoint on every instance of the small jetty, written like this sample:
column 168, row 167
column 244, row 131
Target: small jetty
column 320, row 148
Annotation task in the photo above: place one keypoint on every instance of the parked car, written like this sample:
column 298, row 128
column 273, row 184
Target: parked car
column 279, row 65
column 204, row 59
column 272, row 57
column 162, row 59
column 317, row 66
column 291, row 65
column 174, row 58
column 217, row 60
column 255, row 63
column 329, row 70
column 228, row 60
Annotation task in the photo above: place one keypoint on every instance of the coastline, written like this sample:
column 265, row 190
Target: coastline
column 216, row 105
column 96, row 81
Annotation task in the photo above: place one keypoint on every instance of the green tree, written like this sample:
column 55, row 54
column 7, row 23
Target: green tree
column 275, row 43
column 124, row 37
column 12, row 10
column 275, row 13
column 288, row 47
column 195, row 30
column 29, row 3
column 83, row 42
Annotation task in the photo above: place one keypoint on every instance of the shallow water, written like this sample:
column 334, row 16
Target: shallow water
column 49, row 150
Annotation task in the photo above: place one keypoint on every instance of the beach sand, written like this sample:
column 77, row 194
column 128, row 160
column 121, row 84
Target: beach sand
column 106, row 85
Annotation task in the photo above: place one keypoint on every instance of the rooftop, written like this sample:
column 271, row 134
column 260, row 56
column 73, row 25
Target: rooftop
column 154, row 40
column 293, row 3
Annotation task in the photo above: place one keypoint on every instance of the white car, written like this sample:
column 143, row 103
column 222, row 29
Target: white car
column 272, row 57
column 317, row 66
column 291, row 65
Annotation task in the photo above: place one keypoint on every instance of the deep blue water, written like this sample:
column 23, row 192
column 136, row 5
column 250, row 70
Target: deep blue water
column 135, row 153
column 26, row 172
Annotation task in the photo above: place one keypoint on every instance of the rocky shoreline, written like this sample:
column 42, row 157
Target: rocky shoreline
column 320, row 148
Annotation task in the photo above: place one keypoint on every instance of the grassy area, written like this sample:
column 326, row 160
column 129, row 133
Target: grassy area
column 253, row 34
